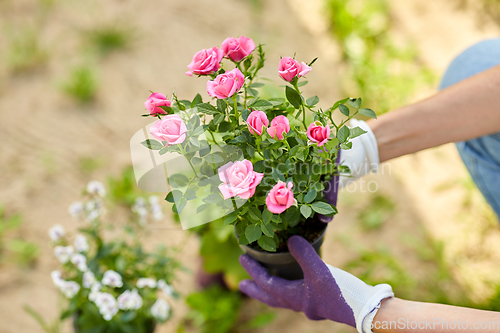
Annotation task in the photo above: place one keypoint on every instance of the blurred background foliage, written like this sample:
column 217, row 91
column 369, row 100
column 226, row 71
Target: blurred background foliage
column 385, row 72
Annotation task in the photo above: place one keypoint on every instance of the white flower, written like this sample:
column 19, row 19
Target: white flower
column 107, row 305
column 112, row 279
column 96, row 187
column 56, row 232
column 81, row 243
column 63, row 253
column 76, row 209
column 157, row 213
column 95, row 290
column 160, row 310
column 153, row 200
column 130, row 300
column 79, row 261
column 146, row 282
column 93, row 209
column 167, row 289
column 88, row 279
column 69, row 288
column 56, row 278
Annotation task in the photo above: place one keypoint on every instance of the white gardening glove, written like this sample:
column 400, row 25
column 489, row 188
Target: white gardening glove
column 363, row 157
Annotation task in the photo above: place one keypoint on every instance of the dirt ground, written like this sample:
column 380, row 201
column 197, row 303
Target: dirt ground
column 44, row 134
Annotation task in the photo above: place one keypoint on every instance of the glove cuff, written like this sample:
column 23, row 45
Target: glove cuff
column 365, row 318
column 369, row 142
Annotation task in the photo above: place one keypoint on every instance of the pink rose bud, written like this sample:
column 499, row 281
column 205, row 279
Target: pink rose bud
column 279, row 125
column 280, row 198
column 318, row 133
column 257, row 121
column 205, row 62
column 290, row 68
column 171, row 129
column 237, row 48
column 239, row 179
column 154, row 101
column 226, row 85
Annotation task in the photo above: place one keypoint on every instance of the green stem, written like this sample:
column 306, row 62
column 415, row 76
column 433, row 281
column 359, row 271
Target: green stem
column 295, row 85
column 236, row 114
column 189, row 160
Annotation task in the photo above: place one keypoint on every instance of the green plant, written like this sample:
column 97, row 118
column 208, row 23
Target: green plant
column 375, row 66
column 123, row 189
column 110, row 38
column 112, row 285
column 81, row 84
column 218, row 310
column 25, row 52
column 16, row 250
column 48, row 327
column 294, row 158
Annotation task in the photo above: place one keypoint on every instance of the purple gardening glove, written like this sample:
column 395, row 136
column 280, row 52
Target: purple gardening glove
column 331, row 193
column 326, row 292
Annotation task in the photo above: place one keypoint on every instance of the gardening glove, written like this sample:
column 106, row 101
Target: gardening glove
column 326, row 292
column 331, row 193
column 363, row 156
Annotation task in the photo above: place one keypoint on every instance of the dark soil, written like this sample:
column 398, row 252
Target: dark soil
column 310, row 229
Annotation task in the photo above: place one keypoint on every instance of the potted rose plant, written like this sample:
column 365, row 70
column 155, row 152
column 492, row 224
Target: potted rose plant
column 112, row 285
column 268, row 166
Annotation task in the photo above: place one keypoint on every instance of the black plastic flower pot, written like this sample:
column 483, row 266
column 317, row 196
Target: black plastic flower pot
column 282, row 264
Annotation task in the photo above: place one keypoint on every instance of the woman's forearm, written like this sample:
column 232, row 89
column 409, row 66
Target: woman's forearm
column 466, row 110
column 397, row 315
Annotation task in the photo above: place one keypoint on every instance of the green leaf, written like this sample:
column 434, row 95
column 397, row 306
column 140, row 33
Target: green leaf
column 255, row 213
column 310, row 196
column 344, row 110
column 368, row 112
column 252, row 92
column 355, row 103
column 292, row 216
column 343, row 134
column 152, row 144
column 218, row 119
column 267, row 229
column 172, row 195
column 305, row 211
column 224, row 126
column 323, row 208
column 221, row 106
column 337, row 103
column 293, row 97
column 312, row 62
column 356, row 131
column 302, row 153
column 261, row 105
column 312, row 101
column 194, row 141
column 267, row 243
column 346, row 146
column 207, row 108
column 256, row 85
column 253, row 233
column 178, row 180
column 197, row 100
column 259, row 166
column 302, row 83
column 230, row 219
column 266, row 216
column 277, row 175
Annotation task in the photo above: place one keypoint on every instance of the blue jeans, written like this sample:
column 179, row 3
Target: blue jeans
column 481, row 155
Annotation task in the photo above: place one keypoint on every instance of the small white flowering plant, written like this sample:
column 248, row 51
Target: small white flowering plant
column 112, row 285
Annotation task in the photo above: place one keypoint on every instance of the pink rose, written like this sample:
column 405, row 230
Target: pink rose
column 257, row 121
column 290, row 68
column 171, row 129
column 280, row 198
column 316, row 132
column 226, row 85
column 239, row 179
column 205, row 62
column 237, row 48
column 154, row 101
column 279, row 125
